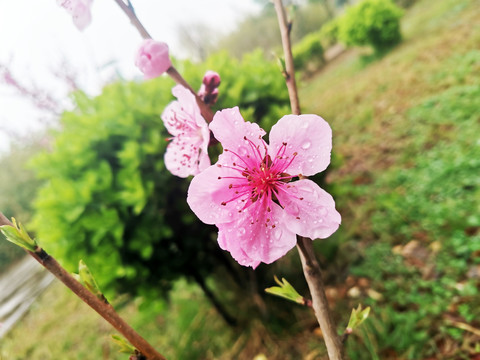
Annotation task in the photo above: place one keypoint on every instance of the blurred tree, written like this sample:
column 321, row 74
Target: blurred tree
column 198, row 39
column 261, row 31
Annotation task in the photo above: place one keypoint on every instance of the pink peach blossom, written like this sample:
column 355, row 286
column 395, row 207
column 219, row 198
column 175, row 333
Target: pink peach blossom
column 80, row 11
column 187, row 153
column 249, row 193
column 152, row 58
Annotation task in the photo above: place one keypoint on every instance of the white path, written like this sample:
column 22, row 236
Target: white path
column 19, row 287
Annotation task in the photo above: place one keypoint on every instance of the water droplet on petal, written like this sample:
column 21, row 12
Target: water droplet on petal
column 241, row 231
column 242, row 150
column 277, row 233
column 306, row 145
column 307, row 189
column 293, row 209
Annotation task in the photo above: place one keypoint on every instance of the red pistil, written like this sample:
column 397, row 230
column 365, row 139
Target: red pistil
column 261, row 177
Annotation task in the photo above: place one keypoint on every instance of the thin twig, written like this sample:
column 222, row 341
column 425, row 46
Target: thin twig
column 313, row 275
column 103, row 309
column 172, row 72
column 311, row 268
column 287, row 51
column 130, row 12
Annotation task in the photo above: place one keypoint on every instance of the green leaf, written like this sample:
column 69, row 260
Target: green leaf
column 357, row 317
column 87, row 279
column 286, row 291
column 18, row 235
column 123, row 344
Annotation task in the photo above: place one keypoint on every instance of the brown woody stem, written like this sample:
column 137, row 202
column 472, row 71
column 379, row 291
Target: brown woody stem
column 313, row 275
column 311, row 268
column 172, row 72
column 287, row 51
column 103, row 309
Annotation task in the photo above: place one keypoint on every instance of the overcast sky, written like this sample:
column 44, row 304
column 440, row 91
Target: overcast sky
column 38, row 36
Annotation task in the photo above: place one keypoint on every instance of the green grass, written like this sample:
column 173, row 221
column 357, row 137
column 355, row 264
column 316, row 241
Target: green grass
column 405, row 172
column 406, row 167
column 60, row 326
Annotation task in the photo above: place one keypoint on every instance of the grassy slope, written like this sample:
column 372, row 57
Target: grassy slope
column 60, row 326
column 406, row 173
column 368, row 105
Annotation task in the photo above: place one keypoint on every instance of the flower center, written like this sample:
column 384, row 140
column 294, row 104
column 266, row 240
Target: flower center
column 259, row 175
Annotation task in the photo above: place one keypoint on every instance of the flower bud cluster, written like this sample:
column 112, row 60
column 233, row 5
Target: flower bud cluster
column 209, row 90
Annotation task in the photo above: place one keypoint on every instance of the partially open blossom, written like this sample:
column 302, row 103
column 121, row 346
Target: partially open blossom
column 250, row 194
column 80, row 11
column 209, row 89
column 152, row 58
column 187, row 152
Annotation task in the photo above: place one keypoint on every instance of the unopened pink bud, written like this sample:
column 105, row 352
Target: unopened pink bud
column 211, row 79
column 152, row 58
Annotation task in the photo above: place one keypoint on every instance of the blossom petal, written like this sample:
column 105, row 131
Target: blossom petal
column 189, row 104
column 225, row 242
column 81, row 16
column 80, row 11
column 229, row 127
column 184, row 157
column 184, row 115
column 309, row 136
column 309, row 210
column 207, row 192
column 257, row 235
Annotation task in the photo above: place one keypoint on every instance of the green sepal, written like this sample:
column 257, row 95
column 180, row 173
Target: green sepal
column 281, row 65
column 357, row 317
column 286, row 291
column 18, row 235
column 87, row 280
column 123, row 344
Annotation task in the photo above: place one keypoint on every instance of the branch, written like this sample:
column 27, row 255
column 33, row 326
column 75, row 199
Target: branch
column 311, row 268
column 103, row 309
column 130, row 12
column 313, row 275
column 287, row 51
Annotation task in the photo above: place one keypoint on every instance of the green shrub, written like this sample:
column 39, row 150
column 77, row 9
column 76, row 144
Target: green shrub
column 108, row 198
column 371, row 22
column 308, row 53
column 405, row 3
column 329, row 32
